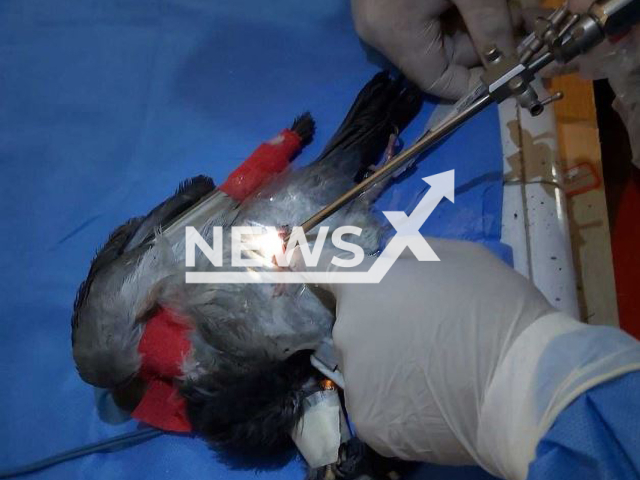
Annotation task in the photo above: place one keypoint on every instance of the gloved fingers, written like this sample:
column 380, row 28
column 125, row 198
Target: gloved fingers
column 391, row 25
column 488, row 22
column 531, row 15
column 409, row 34
column 460, row 50
column 438, row 63
column 448, row 80
column 516, row 15
column 372, row 17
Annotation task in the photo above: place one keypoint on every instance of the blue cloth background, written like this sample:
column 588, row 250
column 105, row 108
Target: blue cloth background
column 104, row 107
column 596, row 437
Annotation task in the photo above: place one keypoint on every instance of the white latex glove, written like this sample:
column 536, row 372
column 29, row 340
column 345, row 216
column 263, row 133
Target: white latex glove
column 410, row 34
column 463, row 361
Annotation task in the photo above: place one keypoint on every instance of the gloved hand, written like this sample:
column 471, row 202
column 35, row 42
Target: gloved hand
column 618, row 61
column 463, row 361
column 411, row 34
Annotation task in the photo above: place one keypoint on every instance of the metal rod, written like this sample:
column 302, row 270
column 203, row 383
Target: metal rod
column 400, row 160
column 553, row 21
column 540, row 62
column 571, row 22
column 553, row 98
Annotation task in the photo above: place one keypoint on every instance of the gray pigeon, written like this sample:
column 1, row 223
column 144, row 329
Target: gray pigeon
column 247, row 368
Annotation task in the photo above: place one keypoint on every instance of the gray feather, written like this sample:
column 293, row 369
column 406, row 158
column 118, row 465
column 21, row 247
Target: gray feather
column 123, row 282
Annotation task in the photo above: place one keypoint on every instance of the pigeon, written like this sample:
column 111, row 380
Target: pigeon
column 230, row 362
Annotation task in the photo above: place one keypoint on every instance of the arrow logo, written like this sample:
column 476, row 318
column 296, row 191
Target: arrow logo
column 408, row 227
column 407, row 236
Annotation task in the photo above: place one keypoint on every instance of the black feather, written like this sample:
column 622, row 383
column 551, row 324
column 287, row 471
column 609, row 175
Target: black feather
column 382, row 107
column 253, row 412
column 195, row 188
column 305, row 127
column 115, row 245
column 109, row 252
column 138, row 230
column 189, row 192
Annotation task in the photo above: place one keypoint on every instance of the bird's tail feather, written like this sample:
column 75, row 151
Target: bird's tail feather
column 305, row 126
column 384, row 106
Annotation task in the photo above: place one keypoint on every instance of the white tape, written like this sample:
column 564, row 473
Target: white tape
column 321, row 430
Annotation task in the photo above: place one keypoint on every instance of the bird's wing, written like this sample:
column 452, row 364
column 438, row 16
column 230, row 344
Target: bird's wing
column 188, row 194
